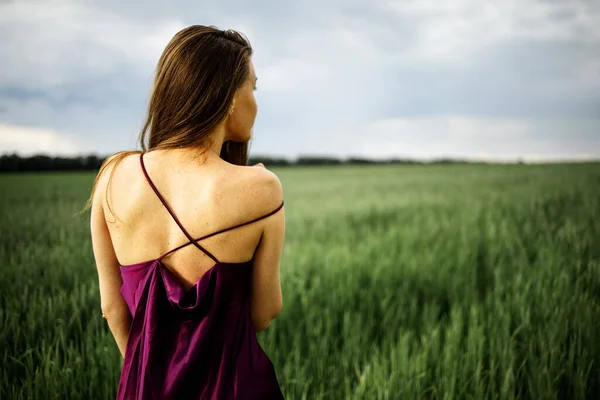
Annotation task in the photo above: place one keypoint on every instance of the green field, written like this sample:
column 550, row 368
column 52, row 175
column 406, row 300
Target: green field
column 399, row 282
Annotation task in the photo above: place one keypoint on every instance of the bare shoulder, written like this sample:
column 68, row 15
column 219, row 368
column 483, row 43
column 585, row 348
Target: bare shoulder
column 114, row 167
column 256, row 187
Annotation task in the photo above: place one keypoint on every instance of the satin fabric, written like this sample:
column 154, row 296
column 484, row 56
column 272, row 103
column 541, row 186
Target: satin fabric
column 194, row 344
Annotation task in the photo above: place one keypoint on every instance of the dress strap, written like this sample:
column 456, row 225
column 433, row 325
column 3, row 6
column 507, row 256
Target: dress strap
column 172, row 213
column 194, row 241
column 242, row 224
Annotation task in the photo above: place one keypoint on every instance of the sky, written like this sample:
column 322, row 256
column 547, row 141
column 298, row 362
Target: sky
column 477, row 79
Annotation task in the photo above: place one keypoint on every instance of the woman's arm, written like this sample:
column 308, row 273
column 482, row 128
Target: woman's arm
column 113, row 306
column 266, row 298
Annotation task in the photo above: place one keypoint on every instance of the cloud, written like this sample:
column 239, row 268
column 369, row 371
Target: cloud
column 501, row 139
column 101, row 130
column 293, row 75
column 453, row 127
column 27, row 141
column 332, row 74
column 55, row 45
column 452, row 30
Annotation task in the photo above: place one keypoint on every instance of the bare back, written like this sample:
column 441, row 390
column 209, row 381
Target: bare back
column 205, row 199
column 186, row 298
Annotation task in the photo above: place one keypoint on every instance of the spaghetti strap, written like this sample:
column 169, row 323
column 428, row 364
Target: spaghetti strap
column 194, row 241
column 172, row 213
column 242, row 224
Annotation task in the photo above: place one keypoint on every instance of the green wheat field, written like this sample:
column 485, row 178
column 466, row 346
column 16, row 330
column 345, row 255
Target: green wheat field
column 399, row 282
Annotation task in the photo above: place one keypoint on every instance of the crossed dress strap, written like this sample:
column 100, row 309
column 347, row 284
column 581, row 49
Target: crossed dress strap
column 224, row 230
column 185, row 232
column 172, row 213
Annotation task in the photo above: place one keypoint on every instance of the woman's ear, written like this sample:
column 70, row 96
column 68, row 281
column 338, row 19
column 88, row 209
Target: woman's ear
column 232, row 106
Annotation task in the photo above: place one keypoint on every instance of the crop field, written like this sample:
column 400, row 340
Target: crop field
column 399, row 282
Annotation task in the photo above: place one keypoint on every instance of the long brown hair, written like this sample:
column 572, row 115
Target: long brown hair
column 196, row 79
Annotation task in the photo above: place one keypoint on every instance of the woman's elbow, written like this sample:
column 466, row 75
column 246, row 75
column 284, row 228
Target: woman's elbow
column 262, row 322
column 261, row 325
column 114, row 311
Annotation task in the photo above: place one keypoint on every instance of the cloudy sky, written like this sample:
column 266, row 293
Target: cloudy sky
column 378, row 78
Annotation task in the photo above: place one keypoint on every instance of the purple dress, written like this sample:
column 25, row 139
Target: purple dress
column 193, row 344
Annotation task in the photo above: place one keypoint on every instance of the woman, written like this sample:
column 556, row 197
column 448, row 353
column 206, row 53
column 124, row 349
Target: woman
column 187, row 238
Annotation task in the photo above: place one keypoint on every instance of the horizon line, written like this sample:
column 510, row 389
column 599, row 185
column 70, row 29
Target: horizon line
column 347, row 158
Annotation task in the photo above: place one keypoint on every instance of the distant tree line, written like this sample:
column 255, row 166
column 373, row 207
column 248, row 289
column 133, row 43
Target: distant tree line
column 16, row 163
